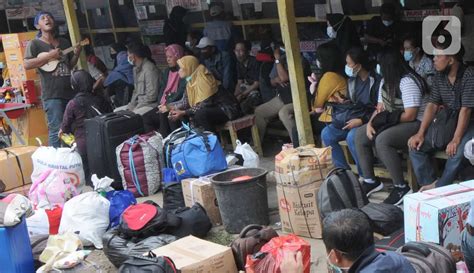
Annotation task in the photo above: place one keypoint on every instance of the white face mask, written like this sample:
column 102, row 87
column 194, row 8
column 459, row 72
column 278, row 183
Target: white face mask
column 387, row 23
column 187, row 44
column 318, row 64
column 378, row 69
column 331, row 32
column 334, row 268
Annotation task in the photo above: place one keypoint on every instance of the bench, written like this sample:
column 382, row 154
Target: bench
column 234, row 126
column 381, row 172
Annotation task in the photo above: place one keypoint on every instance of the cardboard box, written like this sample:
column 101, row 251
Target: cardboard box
column 299, row 174
column 11, row 169
column 31, row 125
column 437, row 215
column 191, row 255
column 202, row 192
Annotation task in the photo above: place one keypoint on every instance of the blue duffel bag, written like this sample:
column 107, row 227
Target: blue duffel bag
column 199, row 154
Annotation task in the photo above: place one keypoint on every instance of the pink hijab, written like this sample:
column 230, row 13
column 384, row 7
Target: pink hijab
column 173, row 77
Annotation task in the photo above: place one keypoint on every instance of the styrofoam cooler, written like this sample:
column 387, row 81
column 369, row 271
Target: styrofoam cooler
column 16, row 255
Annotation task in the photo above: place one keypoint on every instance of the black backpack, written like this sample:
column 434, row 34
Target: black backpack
column 428, row 257
column 173, row 196
column 340, row 190
column 194, row 221
column 384, row 218
column 148, row 264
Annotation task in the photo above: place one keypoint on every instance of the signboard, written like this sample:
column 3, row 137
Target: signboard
column 191, row 5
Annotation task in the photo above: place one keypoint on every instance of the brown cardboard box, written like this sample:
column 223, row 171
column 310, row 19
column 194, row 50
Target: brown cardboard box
column 11, row 171
column 191, row 255
column 202, row 192
column 31, row 125
column 299, row 174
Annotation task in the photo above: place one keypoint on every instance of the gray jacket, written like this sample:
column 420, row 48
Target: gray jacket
column 147, row 79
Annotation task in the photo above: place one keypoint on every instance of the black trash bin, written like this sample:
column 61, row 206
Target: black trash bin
column 244, row 202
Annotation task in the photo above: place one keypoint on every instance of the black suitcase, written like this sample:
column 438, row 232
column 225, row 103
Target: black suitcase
column 103, row 134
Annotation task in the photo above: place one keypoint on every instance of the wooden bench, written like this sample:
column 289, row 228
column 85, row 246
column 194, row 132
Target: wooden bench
column 381, row 172
column 234, row 126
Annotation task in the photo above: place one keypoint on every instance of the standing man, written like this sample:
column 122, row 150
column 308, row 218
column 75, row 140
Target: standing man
column 56, row 85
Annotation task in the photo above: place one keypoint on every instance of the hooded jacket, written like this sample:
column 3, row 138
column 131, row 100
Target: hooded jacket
column 372, row 261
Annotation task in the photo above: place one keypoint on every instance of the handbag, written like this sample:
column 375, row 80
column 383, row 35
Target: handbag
column 442, row 128
column 343, row 112
column 385, row 120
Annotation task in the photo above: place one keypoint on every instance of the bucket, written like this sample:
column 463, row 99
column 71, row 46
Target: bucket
column 16, row 255
column 244, row 202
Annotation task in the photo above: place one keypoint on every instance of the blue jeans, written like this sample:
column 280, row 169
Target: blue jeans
column 54, row 113
column 467, row 248
column 331, row 137
column 424, row 171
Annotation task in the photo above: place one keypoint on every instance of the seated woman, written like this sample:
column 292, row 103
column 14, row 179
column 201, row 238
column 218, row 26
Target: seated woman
column 331, row 87
column 84, row 105
column 205, row 103
column 400, row 98
column 119, row 82
column 347, row 117
column 171, row 89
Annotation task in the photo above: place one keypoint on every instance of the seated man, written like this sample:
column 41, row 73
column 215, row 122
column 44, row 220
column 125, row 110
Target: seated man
column 282, row 104
column 453, row 88
column 350, row 246
column 219, row 63
column 248, row 69
column 146, row 80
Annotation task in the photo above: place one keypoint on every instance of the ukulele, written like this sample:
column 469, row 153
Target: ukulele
column 52, row 64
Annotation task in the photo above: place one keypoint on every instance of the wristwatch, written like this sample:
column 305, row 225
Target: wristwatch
column 277, row 61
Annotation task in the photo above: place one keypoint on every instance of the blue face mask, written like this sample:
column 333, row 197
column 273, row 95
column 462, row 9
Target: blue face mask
column 350, row 71
column 188, row 78
column 408, row 55
column 334, row 268
column 378, row 69
column 130, row 62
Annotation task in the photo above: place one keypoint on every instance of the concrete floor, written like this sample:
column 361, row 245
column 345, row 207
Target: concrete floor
column 318, row 252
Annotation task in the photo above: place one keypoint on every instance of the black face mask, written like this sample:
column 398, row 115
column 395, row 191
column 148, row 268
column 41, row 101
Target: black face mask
column 113, row 56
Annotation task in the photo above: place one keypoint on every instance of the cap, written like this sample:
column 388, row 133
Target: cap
column 205, row 42
column 137, row 216
column 469, row 151
column 215, row 10
column 470, row 216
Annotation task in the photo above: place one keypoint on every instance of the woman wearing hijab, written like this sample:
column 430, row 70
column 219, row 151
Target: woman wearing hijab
column 84, row 105
column 119, row 82
column 342, row 29
column 175, row 29
column 204, row 102
column 171, row 90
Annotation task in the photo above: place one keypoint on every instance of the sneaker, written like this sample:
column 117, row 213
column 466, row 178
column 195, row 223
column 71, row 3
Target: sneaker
column 396, row 195
column 370, row 188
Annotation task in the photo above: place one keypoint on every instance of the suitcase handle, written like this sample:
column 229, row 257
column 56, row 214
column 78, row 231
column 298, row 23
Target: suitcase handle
column 248, row 228
column 413, row 246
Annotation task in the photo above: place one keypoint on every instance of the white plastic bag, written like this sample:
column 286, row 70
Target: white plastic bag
column 88, row 214
column 469, row 151
column 57, row 176
column 250, row 157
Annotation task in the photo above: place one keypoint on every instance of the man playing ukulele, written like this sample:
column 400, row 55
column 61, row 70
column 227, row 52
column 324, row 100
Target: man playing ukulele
column 56, row 85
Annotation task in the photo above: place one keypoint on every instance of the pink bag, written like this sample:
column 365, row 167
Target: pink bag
column 53, row 188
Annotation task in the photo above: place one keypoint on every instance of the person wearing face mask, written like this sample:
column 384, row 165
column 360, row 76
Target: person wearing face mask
column 413, row 53
column 84, row 105
column 356, row 111
column 192, row 40
column 453, row 88
column 204, row 103
column 350, row 247
column 330, row 88
column 119, row 82
column 146, row 80
column 115, row 49
column 384, row 30
column 341, row 28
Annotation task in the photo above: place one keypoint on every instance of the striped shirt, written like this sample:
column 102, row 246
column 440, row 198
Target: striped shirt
column 411, row 93
column 443, row 92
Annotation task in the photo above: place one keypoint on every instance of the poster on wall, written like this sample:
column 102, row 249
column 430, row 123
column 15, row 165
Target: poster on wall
column 152, row 27
column 191, row 5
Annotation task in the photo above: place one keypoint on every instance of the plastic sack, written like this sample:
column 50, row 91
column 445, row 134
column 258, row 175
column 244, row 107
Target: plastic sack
column 88, row 214
column 119, row 201
column 61, row 252
column 44, row 221
column 269, row 258
column 469, row 151
column 12, row 208
column 251, row 159
column 58, row 175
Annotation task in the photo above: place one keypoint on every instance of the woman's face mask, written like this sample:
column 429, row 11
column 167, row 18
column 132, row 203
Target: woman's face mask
column 408, row 55
column 378, row 69
column 318, row 64
column 387, row 23
column 331, row 32
column 351, row 71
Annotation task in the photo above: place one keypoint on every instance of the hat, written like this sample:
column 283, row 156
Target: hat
column 205, row 42
column 215, row 10
column 470, row 216
column 469, row 151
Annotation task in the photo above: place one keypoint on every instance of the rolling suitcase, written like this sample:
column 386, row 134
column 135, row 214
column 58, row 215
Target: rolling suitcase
column 103, row 134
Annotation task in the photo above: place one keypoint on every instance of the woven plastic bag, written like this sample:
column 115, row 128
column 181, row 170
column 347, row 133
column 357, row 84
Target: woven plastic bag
column 269, row 258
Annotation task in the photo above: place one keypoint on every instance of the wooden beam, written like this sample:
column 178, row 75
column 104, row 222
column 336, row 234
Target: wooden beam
column 74, row 31
column 289, row 33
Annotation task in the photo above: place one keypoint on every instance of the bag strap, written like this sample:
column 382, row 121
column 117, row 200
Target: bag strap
column 135, row 180
column 248, row 228
column 413, row 246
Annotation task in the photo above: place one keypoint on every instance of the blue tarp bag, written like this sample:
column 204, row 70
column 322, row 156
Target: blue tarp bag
column 119, row 201
column 199, row 154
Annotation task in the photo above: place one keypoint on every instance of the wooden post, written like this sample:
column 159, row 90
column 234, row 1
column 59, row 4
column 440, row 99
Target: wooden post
column 289, row 34
column 74, row 31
